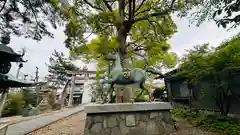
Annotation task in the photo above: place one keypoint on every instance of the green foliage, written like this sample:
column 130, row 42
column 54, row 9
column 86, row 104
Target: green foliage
column 32, row 16
column 221, row 124
column 29, row 97
column 146, row 24
column 216, row 123
column 185, row 113
column 58, row 68
column 140, row 96
column 218, row 67
column 223, row 12
column 14, row 105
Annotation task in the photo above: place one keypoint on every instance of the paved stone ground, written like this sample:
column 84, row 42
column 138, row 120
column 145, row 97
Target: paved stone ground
column 73, row 125
column 16, row 119
column 30, row 125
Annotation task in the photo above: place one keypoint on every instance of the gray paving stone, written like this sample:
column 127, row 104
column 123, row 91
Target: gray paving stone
column 30, row 125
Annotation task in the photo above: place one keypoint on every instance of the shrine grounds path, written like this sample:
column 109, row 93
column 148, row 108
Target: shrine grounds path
column 25, row 127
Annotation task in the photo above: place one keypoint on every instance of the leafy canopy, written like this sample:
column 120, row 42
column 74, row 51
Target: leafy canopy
column 224, row 12
column 136, row 28
column 30, row 18
column 206, row 63
column 58, row 68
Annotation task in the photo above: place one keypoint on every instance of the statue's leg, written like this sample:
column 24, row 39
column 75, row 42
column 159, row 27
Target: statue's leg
column 110, row 92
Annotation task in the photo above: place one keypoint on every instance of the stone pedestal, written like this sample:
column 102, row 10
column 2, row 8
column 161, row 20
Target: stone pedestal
column 3, row 129
column 128, row 119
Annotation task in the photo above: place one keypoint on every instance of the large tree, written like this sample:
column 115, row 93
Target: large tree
column 224, row 12
column 138, row 28
column 218, row 67
column 30, row 18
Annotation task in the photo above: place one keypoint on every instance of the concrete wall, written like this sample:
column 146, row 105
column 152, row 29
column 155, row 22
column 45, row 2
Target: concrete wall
column 87, row 91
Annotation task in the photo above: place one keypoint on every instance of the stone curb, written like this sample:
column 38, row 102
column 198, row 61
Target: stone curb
column 55, row 121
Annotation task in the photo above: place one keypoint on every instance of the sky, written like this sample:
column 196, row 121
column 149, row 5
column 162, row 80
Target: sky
column 38, row 53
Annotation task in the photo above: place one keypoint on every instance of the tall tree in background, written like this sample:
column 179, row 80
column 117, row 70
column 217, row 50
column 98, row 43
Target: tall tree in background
column 28, row 17
column 138, row 28
column 58, row 66
column 224, row 12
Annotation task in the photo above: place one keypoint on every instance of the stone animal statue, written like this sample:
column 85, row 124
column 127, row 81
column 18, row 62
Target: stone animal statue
column 125, row 76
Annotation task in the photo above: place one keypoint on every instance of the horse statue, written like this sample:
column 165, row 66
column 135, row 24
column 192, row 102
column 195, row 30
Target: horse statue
column 125, row 76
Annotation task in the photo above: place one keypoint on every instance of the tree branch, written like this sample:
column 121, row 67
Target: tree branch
column 130, row 9
column 146, row 10
column 107, row 5
column 151, row 15
column 165, row 12
column 35, row 16
column 146, row 61
column 134, row 6
column 92, row 6
column 140, row 5
column 4, row 4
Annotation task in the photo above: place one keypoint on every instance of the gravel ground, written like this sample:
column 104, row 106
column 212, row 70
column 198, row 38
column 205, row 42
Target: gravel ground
column 73, row 125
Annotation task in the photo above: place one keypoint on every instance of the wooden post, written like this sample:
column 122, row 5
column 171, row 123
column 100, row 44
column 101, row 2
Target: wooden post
column 3, row 100
column 70, row 101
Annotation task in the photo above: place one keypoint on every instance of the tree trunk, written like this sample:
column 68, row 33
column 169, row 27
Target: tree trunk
column 121, row 38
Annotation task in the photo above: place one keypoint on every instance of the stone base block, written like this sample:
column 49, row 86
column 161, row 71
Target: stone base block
column 3, row 129
column 128, row 119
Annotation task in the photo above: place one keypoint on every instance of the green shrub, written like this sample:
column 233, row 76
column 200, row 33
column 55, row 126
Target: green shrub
column 221, row 124
column 14, row 105
column 185, row 113
column 215, row 123
column 30, row 97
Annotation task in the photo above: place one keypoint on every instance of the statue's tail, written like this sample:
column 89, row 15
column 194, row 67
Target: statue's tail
column 156, row 72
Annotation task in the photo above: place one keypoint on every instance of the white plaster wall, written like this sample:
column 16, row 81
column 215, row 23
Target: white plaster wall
column 86, row 94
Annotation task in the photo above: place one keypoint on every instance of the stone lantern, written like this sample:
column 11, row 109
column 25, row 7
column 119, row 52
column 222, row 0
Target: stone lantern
column 44, row 104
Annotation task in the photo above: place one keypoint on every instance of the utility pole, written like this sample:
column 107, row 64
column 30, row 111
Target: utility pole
column 36, row 75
